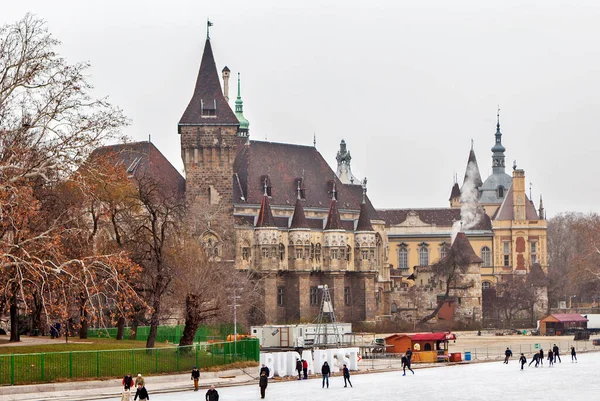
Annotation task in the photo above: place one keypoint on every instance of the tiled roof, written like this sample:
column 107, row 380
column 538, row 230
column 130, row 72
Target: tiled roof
column 284, row 164
column 333, row 218
column 208, row 94
column 265, row 216
column 364, row 221
column 357, row 192
column 298, row 218
column 442, row 217
column 143, row 158
column 506, row 211
column 462, row 247
column 455, row 192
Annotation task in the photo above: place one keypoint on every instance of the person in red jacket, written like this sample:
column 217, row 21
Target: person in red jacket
column 127, row 381
column 305, row 368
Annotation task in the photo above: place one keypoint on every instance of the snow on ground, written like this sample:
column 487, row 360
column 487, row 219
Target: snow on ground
column 482, row 381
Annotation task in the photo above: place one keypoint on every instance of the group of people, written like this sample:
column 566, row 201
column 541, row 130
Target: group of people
column 139, row 384
column 538, row 357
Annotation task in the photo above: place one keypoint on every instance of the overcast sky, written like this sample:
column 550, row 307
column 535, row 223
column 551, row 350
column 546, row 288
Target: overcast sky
column 407, row 84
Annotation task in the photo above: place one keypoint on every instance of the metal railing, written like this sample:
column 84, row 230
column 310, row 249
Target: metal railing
column 55, row 366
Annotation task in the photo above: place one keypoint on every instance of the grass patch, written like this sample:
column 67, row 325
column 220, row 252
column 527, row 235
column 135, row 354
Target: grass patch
column 93, row 344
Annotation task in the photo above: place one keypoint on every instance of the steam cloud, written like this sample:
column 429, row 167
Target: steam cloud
column 470, row 211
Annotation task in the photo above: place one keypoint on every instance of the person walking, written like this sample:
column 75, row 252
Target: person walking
column 346, row 373
column 127, row 381
column 535, row 358
column 555, row 350
column 265, row 369
column 299, row 368
column 305, row 368
column 140, row 380
column 550, row 358
column 507, row 354
column 212, row 394
column 573, row 354
column 325, row 371
column 523, row 360
column 142, row 393
column 406, row 364
column 409, row 354
column 262, row 383
column 542, row 357
column 195, row 377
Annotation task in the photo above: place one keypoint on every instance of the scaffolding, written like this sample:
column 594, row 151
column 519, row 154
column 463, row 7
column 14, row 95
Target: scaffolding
column 326, row 312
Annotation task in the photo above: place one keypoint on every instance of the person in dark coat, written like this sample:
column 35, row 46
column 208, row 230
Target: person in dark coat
column 556, row 353
column 212, row 394
column 523, row 360
column 195, row 377
column 127, row 381
column 265, row 369
column 541, row 357
column 299, row 368
column 507, row 354
column 550, row 358
column 142, row 393
column 573, row 354
column 305, row 368
column 346, row 373
column 536, row 359
column 325, row 371
column 262, row 383
column 406, row 364
column 409, row 354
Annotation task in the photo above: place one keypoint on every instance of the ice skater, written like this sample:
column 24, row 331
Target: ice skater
column 535, row 358
column 127, row 381
column 299, row 368
column 573, row 354
column 542, row 357
column 507, row 354
column 406, row 364
column 523, row 360
column 265, row 369
column 409, row 354
column 195, row 377
column 325, row 371
column 556, row 353
column 212, row 394
column 142, row 393
column 262, row 383
column 550, row 358
column 305, row 368
column 346, row 373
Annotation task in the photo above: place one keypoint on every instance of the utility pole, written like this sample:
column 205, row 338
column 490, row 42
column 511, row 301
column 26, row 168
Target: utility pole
column 235, row 298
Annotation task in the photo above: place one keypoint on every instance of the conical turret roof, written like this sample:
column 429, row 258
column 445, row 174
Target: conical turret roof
column 265, row 216
column 364, row 220
column 299, row 219
column 474, row 173
column 463, row 249
column 333, row 218
column 208, row 105
column 455, row 192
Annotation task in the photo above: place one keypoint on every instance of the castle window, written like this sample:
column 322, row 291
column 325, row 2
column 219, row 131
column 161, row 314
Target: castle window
column 246, row 253
column 394, row 307
column 486, row 255
column 265, row 252
column 459, row 300
column 280, row 296
column 403, row 257
column 274, row 252
column 306, row 252
column 423, row 256
column 299, row 253
column 506, row 255
column 348, row 253
column 334, row 253
column 486, row 285
column 364, row 254
column 212, row 245
column 533, row 249
column 314, row 296
column 208, row 109
column 318, row 252
column 500, row 191
column 347, row 296
column 281, row 251
column 443, row 250
column 312, row 251
column 342, row 253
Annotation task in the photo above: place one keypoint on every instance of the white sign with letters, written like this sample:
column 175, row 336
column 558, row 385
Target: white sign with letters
column 284, row 363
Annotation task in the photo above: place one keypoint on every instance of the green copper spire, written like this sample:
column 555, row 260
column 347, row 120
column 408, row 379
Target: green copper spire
column 239, row 113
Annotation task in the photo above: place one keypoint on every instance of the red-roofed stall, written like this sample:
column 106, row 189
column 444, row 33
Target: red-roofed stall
column 558, row 323
column 431, row 347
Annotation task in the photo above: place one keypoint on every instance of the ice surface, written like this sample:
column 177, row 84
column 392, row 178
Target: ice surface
column 481, row 381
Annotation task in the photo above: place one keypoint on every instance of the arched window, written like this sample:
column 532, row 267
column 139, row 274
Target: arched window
column 427, row 347
column 403, row 257
column 394, row 307
column 486, row 255
column 212, row 245
column 378, row 250
column 423, row 256
column 312, row 251
column 500, row 191
column 281, row 251
column 443, row 251
column 486, row 285
column 318, row 252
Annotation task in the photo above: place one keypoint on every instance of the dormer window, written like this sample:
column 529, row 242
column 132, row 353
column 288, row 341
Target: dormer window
column 500, row 191
column 208, row 109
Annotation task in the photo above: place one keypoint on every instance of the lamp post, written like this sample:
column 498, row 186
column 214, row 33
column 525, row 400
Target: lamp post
column 235, row 298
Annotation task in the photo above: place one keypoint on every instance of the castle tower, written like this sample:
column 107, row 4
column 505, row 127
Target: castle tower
column 498, row 163
column 268, row 249
column 364, row 238
column 518, row 193
column 334, row 238
column 226, row 73
column 472, row 170
column 455, row 196
column 541, row 212
column 344, row 173
column 208, row 129
column 239, row 113
column 299, row 238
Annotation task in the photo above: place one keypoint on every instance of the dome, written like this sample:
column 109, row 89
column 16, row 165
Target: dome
column 490, row 192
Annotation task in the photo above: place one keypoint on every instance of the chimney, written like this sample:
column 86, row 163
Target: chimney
column 518, row 190
column 226, row 83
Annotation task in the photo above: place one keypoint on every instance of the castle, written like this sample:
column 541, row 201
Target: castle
column 280, row 211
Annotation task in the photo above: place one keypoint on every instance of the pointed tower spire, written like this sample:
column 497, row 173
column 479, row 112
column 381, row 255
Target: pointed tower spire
column 239, row 113
column 472, row 169
column 333, row 217
column 455, row 196
column 298, row 218
column 498, row 163
column 364, row 220
column 344, row 172
column 541, row 213
column 265, row 216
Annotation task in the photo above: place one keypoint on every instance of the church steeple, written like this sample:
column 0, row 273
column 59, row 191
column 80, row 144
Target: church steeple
column 472, row 169
column 239, row 113
column 344, row 172
column 498, row 163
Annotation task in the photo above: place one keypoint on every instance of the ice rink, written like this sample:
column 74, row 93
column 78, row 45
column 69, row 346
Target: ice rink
column 481, row 381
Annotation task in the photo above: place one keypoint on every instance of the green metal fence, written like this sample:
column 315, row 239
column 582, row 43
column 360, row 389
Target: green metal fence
column 171, row 334
column 56, row 366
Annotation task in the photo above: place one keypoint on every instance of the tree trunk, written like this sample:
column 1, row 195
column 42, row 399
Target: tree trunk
column 120, row 328
column 154, row 319
column 134, row 326
column 14, row 321
column 191, row 321
column 83, row 318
